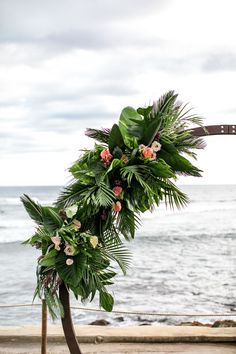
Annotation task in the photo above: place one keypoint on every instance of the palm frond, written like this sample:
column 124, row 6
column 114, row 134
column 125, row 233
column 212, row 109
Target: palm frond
column 104, row 195
column 127, row 222
column 173, row 196
column 72, row 194
column 33, row 209
column 99, row 135
column 118, row 253
column 51, row 220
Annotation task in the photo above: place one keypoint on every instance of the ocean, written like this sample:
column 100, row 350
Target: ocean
column 183, row 261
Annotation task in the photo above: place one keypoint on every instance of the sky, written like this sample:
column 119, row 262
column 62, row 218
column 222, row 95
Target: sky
column 66, row 65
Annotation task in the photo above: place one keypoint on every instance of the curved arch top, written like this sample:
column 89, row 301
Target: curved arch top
column 220, row 129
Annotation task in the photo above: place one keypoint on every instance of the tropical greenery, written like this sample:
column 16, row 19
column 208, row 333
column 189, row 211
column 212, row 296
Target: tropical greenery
column 131, row 169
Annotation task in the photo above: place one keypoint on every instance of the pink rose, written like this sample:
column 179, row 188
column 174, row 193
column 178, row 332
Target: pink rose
column 106, row 155
column 116, row 207
column 117, row 191
column 147, row 152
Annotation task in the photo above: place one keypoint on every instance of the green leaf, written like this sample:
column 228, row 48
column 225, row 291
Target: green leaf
column 49, row 259
column 126, row 122
column 118, row 253
column 179, row 163
column 115, row 164
column 168, row 146
column 160, row 169
column 144, row 111
column 51, row 220
column 70, row 274
column 106, row 301
column 117, row 153
column 150, row 131
column 71, row 211
column 104, row 195
column 115, row 138
column 33, row 209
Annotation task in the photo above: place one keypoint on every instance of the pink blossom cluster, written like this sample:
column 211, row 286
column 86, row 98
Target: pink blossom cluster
column 150, row 152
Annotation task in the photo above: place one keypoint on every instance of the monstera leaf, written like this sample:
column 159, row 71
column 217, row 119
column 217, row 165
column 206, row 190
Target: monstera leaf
column 128, row 127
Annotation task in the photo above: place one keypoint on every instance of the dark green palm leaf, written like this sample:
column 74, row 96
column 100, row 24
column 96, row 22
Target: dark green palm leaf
column 33, row 209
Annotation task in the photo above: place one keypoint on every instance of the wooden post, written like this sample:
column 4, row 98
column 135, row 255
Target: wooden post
column 67, row 323
column 44, row 328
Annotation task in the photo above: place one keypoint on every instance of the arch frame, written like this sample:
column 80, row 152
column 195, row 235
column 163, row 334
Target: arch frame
column 67, row 323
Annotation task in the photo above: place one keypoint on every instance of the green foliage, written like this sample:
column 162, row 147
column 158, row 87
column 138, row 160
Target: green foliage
column 104, row 196
column 115, row 138
column 127, row 118
column 33, row 209
column 130, row 172
column 72, row 274
column 106, row 301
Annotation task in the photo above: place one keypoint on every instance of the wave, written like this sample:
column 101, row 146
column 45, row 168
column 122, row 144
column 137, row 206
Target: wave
column 17, row 202
column 10, row 201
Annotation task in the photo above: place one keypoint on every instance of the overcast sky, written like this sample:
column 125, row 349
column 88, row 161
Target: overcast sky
column 70, row 64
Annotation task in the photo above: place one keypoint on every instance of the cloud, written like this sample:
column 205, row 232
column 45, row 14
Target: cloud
column 80, row 24
column 224, row 61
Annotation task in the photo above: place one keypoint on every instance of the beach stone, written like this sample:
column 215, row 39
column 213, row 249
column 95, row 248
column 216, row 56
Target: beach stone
column 224, row 323
column 195, row 323
column 119, row 319
column 100, row 322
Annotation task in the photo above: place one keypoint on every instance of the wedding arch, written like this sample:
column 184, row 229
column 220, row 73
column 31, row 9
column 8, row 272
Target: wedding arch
column 131, row 170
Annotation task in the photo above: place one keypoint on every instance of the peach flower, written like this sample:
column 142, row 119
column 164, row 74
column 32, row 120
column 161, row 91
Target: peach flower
column 106, row 155
column 116, row 207
column 147, row 152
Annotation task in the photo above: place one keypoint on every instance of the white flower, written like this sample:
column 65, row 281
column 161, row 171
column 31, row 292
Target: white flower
column 71, row 211
column 94, row 241
column 156, row 146
column 69, row 250
column 69, row 261
column 141, row 147
column 56, row 240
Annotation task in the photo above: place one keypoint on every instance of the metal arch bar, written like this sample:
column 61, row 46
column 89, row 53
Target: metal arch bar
column 67, row 322
column 220, row 129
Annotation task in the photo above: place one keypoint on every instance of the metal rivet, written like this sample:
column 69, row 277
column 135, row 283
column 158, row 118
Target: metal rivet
column 222, row 131
column 222, row 126
column 233, row 131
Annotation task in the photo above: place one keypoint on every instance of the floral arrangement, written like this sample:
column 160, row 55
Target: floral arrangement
column 131, row 170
